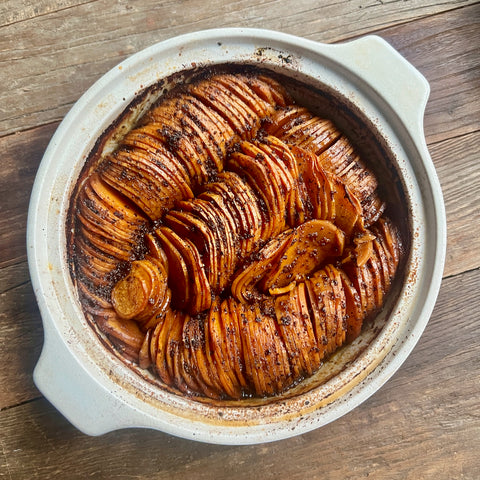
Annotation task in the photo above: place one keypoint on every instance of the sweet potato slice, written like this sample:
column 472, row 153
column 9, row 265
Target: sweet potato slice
column 382, row 264
column 233, row 335
column 187, row 366
column 224, row 203
column 353, row 308
column 110, row 217
column 199, row 296
column 291, row 327
column 340, row 303
column 244, row 283
column 178, row 275
column 315, row 184
column 280, row 182
column 392, row 239
column 158, row 347
column 254, row 356
column 231, row 346
column 157, row 154
column 181, row 115
column 248, row 203
column 317, row 315
column 217, row 342
column 283, row 119
column 268, row 353
column 218, row 242
column 202, row 234
column 311, row 347
column 229, row 106
column 224, row 235
column 94, row 265
column 321, row 292
column 312, row 243
column 238, row 86
column 296, row 125
column 348, row 210
column 269, row 90
column 141, row 291
column 108, row 221
column 172, row 348
column 320, row 134
column 194, row 340
column 266, row 189
column 125, row 331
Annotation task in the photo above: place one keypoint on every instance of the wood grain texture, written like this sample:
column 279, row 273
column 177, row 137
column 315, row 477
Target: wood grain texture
column 21, row 336
column 461, row 188
column 431, row 430
column 21, row 154
column 425, row 422
column 48, row 60
column 447, row 54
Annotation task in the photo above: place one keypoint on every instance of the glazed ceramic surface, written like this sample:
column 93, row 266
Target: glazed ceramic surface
column 96, row 391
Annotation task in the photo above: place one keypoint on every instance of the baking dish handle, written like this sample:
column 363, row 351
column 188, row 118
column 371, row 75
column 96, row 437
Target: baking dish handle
column 73, row 391
column 391, row 77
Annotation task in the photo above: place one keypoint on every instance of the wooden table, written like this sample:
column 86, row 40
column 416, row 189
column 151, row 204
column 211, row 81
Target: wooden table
column 425, row 422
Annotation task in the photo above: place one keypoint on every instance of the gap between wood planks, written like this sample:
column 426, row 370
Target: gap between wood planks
column 33, row 12
column 378, row 31
column 20, row 404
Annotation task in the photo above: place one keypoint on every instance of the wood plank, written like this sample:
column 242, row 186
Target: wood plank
column 424, row 423
column 445, row 49
column 456, row 161
column 47, row 61
column 12, row 11
column 21, row 336
column 21, row 154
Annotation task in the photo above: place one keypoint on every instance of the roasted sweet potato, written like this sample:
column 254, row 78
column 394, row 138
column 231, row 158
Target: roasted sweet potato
column 233, row 240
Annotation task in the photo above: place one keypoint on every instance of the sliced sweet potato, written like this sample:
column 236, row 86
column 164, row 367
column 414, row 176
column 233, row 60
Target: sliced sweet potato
column 321, row 292
column 131, row 294
column 201, row 231
column 244, row 123
column 178, row 276
column 315, row 184
column 217, row 342
column 312, row 243
column 126, row 331
column 283, row 119
column 269, row 90
column 194, row 341
column 290, row 327
column 314, row 298
column 244, row 282
column 237, row 84
column 353, row 308
column 198, row 295
column 310, row 347
column 232, row 329
column 340, row 303
column 266, row 189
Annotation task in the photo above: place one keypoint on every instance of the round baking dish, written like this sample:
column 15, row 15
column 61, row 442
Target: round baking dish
column 99, row 393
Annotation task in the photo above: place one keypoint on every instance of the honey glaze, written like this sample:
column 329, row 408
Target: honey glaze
column 233, row 230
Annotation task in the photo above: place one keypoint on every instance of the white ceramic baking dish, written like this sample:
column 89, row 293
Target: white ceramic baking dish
column 94, row 389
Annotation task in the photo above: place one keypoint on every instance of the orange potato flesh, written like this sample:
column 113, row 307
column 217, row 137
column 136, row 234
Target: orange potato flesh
column 130, row 295
column 243, row 284
column 312, row 243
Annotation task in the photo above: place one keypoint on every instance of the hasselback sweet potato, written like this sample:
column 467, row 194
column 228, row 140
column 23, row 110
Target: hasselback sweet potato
column 233, row 241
